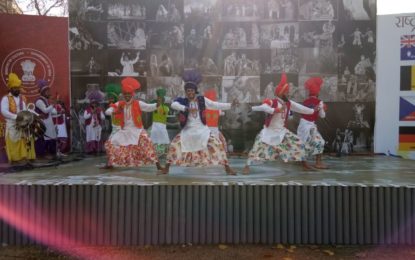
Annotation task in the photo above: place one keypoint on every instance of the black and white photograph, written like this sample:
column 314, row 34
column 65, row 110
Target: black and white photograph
column 241, row 10
column 126, row 9
column 285, row 10
column 126, row 35
column 242, row 117
column 329, row 89
column 127, row 63
column 318, row 34
column 199, row 40
column 206, row 9
column 269, row 83
column 352, row 88
column 241, row 62
column 358, row 9
column 165, row 36
column 281, row 60
column 240, row 36
column 166, row 63
column 86, row 35
column 312, row 10
column 357, row 35
column 165, row 11
column 173, row 85
column 90, row 63
column 87, row 10
column 245, row 89
column 279, row 35
column 315, row 60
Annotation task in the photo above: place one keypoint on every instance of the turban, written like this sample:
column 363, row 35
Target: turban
column 282, row 87
column 313, row 85
column 211, row 94
column 113, row 90
column 14, row 81
column 130, row 85
column 42, row 84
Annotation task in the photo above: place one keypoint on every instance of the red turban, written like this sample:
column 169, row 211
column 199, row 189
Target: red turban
column 211, row 94
column 282, row 87
column 313, row 85
column 129, row 85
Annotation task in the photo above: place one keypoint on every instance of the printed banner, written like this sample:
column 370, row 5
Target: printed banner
column 407, row 109
column 408, row 78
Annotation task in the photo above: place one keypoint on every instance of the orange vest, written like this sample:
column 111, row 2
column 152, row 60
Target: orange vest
column 212, row 118
column 118, row 116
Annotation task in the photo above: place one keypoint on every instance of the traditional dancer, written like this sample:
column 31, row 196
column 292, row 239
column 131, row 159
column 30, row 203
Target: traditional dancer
column 59, row 121
column 158, row 133
column 18, row 146
column 195, row 145
column 212, row 118
column 307, row 129
column 45, row 145
column 93, row 119
column 130, row 146
column 275, row 140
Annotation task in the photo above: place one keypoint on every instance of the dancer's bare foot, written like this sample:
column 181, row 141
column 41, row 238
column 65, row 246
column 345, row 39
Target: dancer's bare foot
column 246, row 170
column 107, row 167
column 306, row 167
column 229, row 170
column 320, row 166
column 165, row 170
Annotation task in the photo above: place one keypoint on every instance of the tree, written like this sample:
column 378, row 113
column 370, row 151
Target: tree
column 44, row 7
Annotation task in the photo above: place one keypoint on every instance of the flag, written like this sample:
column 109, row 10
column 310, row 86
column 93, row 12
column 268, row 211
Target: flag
column 408, row 47
column 408, row 78
column 407, row 108
column 406, row 138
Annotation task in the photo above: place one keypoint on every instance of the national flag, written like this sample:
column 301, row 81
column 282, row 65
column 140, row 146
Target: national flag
column 406, row 138
column 407, row 108
column 408, row 78
column 408, row 47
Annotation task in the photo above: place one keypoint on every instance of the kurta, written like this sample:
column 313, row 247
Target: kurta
column 276, row 141
column 18, row 146
column 46, row 144
column 130, row 146
column 195, row 145
column 93, row 131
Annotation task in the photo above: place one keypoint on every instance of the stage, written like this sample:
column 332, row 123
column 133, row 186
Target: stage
column 359, row 200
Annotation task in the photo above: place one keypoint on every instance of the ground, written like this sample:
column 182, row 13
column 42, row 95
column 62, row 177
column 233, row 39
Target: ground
column 183, row 252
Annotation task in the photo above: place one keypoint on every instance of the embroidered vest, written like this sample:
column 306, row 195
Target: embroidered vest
column 212, row 118
column 98, row 114
column 40, row 112
column 60, row 117
column 160, row 114
column 275, row 105
column 184, row 115
column 118, row 116
column 311, row 102
column 13, row 105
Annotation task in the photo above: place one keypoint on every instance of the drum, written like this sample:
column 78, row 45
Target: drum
column 30, row 124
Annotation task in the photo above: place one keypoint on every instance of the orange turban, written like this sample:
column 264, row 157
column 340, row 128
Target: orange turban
column 313, row 85
column 129, row 85
column 282, row 87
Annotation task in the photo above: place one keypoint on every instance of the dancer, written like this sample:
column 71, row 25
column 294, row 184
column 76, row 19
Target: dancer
column 158, row 133
column 307, row 129
column 59, row 120
column 45, row 145
column 19, row 147
column 130, row 146
column 212, row 118
column 275, row 140
column 94, row 116
column 195, row 145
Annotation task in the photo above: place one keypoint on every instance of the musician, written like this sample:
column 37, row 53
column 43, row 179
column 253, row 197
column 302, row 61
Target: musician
column 45, row 145
column 59, row 121
column 94, row 116
column 18, row 146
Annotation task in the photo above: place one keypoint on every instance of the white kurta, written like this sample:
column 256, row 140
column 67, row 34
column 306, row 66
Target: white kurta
column 195, row 135
column 275, row 132
column 94, row 129
column 50, row 133
column 159, row 134
column 11, row 117
column 61, row 128
column 130, row 133
column 306, row 127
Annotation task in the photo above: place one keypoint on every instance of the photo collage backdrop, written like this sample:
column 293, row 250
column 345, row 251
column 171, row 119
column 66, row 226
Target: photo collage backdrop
column 241, row 47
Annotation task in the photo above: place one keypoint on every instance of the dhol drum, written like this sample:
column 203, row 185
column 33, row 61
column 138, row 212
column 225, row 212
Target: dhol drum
column 29, row 123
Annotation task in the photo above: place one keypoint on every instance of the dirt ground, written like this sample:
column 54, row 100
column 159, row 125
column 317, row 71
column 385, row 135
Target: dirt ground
column 284, row 252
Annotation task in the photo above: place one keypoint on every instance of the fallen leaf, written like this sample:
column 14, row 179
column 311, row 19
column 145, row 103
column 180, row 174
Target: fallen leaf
column 330, row 253
column 280, row 246
column 223, row 247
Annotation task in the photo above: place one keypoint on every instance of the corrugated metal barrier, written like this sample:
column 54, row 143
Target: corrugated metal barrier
column 211, row 214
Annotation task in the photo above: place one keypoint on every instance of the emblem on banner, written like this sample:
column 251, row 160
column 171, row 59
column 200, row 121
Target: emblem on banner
column 30, row 65
column 408, row 47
